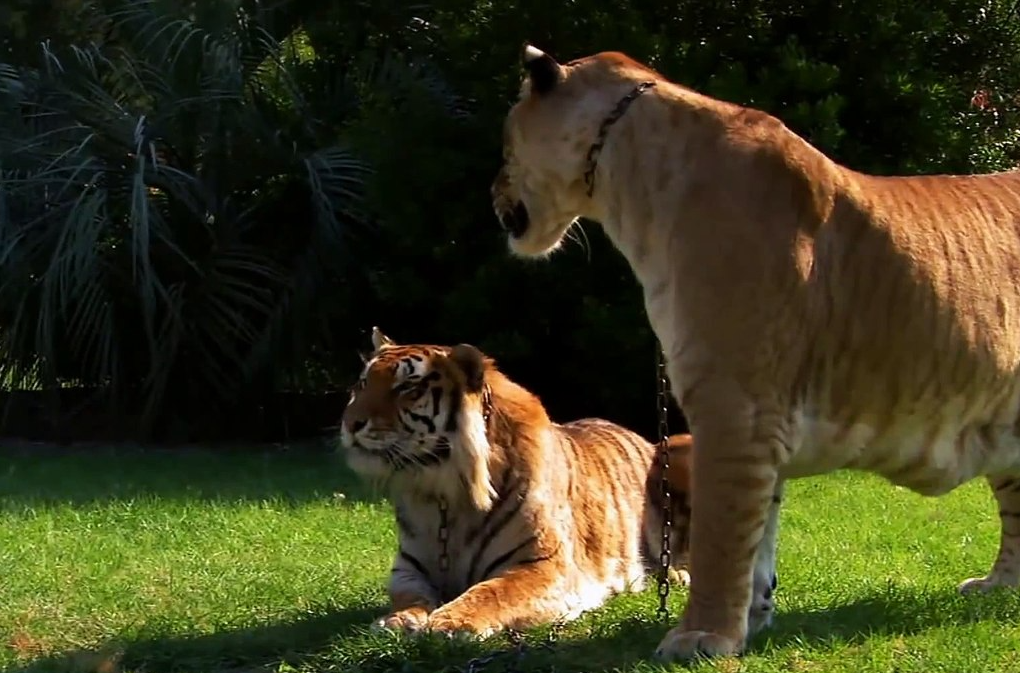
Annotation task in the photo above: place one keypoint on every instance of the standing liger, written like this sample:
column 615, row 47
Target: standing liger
column 813, row 317
column 505, row 519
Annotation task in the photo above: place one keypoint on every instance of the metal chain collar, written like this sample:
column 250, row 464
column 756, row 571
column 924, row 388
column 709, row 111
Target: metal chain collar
column 664, row 490
column 592, row 160
column 444, row 536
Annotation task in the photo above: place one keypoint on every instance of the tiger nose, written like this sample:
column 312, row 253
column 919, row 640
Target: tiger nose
column 357, row 425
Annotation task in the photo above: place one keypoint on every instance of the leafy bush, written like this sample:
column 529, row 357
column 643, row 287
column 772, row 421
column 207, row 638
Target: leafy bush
column 881, row 85
column 171, row 216
column 180, row 182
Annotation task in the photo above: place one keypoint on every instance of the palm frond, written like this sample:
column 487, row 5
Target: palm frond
column 143, row 183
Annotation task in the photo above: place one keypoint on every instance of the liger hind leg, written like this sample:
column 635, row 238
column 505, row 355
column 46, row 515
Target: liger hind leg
column 733, row 482
column 1005, row 571
column 522, row 597
column 766, row 578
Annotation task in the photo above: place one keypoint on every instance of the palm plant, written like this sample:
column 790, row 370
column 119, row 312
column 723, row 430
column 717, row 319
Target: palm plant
column 171, row 211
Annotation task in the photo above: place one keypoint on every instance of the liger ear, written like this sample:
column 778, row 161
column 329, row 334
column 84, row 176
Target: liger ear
column 543, row 70
column 472, row 363
column 380, row 340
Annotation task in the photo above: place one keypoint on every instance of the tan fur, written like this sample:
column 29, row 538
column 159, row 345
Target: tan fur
column 545, row 520
column 814, row 317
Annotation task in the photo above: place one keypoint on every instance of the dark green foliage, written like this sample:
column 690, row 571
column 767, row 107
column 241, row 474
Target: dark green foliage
column 882, row 86
column 180, row 187
column 171, row 217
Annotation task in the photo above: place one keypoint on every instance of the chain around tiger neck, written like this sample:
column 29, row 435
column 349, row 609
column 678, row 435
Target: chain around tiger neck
column 592, row 160
column 444, row 524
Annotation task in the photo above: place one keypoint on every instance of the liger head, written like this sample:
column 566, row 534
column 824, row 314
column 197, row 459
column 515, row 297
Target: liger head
column 545, row 183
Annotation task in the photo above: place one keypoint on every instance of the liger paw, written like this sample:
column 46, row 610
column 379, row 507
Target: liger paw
column 763, row 606
column 679, row 577
column 983, row 584
column 680, row 645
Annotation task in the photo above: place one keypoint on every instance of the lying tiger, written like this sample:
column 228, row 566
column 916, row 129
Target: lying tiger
column 541, row 521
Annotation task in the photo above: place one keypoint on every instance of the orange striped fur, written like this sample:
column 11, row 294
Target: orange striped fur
column 813, row 317
column 545, row 520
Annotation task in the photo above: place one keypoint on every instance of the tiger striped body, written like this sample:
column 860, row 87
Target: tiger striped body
column 542, row 520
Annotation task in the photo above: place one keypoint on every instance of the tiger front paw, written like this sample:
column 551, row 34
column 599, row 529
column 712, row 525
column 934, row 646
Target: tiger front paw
column 459, row 625
column 681, row 645
column 410, row 620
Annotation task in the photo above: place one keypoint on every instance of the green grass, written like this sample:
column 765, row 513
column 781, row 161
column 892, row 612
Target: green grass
column 250, row 561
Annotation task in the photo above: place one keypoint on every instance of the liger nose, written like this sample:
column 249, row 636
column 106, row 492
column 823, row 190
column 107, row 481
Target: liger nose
column 515, row 221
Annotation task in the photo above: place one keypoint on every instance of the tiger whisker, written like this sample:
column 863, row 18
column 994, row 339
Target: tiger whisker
column 399, row 457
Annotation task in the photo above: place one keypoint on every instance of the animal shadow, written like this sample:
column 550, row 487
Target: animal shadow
column 258, row 649
column 591, row 646
column 891, row 610
column 594, row 647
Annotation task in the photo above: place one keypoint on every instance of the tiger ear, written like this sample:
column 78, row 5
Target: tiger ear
column 472, row 363
column 543, row 70
column 380, row 341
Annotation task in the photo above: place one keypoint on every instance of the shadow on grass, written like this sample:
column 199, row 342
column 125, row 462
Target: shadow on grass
column 595, row 647
column 39, row 475
column 338, row 641
column 893, row 610
column 258, row 649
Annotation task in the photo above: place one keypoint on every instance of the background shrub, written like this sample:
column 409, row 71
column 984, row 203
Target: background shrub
column 206, row 205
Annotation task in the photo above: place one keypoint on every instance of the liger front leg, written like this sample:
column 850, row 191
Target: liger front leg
column 522, row 597
column 734, row 480
column 1006, row 570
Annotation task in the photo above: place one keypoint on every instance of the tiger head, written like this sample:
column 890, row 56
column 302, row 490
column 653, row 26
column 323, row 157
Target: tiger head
column 543, row 186
column 420, row 413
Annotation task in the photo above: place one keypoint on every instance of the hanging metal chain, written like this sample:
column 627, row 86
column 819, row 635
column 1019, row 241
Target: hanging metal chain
column 664, row 490
column 444, row 537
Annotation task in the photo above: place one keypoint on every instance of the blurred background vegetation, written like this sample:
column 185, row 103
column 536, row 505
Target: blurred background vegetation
column 206, row 205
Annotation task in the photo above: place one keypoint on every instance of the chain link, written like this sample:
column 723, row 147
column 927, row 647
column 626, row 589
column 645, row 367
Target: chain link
column 664, row 490
column 516, row 652
column 593, row 152
column 444, row 536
